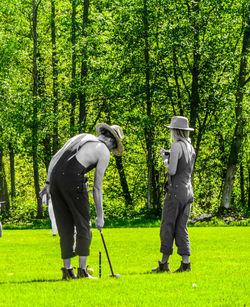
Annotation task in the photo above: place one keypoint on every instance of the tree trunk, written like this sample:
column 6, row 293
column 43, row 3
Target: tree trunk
column 73, row 69
column 248, row 202
column 84, row 70
column 34, row 115
column 240, row 122
column 242, row 186
column 12, row 173
column 55, row 143
column 4, row 196
column 47, row 151
column 124, row 184
column 177, row 83
column 120, row 168
column 148, row 130
column 195, row 96
column 157, row 190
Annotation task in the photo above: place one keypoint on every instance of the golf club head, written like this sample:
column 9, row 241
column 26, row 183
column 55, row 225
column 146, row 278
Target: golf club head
column 115, row 275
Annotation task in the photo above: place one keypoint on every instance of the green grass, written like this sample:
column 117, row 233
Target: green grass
column 30, row 270
column 141, row 221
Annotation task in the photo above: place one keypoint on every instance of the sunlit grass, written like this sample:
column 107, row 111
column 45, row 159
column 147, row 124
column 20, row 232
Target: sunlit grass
column 30, row 270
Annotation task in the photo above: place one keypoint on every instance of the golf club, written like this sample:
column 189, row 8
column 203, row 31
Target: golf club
column 112, row 273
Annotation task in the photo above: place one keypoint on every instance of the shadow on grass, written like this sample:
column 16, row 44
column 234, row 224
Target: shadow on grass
column 145, row 273
column 30, row 281
column 58, row 280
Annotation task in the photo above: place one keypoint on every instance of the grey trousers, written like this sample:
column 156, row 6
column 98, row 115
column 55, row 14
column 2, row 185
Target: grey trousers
column 175, row 216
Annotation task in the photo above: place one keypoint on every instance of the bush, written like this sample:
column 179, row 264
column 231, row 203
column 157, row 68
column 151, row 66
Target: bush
column 22, row 213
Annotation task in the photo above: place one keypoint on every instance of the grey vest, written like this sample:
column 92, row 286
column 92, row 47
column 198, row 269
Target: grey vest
column 180, row 184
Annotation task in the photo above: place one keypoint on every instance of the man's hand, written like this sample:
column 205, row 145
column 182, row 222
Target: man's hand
column 44, row 191
column 99, row 223
column 164, row 154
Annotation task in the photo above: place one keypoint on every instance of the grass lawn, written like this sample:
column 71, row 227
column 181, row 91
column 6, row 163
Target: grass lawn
column 30, row 270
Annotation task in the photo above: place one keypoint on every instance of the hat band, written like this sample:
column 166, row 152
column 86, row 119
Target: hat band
column 174, row 127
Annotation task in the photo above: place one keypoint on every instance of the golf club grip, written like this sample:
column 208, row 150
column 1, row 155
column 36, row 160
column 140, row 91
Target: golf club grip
column 106, row 252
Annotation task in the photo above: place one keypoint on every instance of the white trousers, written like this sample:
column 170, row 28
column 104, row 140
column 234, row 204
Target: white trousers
column 52, row 217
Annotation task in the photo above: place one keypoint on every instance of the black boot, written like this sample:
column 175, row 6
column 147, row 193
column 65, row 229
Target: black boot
column 185, row 267
column 68, row 273
column 83, row 273
column 163, row 267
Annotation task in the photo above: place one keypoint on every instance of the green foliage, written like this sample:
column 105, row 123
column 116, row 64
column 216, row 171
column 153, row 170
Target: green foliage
column 116, row 92
column 23, row 215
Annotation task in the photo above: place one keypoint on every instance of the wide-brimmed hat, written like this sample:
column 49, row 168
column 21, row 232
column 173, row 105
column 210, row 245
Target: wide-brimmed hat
column 179, row 122
column 117, row 133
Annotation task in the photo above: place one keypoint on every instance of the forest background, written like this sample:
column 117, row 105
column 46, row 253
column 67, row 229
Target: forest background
column 66, row 65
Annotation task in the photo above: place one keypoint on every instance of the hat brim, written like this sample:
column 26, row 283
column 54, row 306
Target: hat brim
column 120, row 148
column 188, row 129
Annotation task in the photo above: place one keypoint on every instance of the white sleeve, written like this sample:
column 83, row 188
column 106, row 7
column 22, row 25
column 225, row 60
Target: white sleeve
column 175, row 154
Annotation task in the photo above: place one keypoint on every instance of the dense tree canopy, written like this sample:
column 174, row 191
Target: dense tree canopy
column 66, row 65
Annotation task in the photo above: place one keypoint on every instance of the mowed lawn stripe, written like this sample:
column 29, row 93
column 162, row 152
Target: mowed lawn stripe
column 30, row 270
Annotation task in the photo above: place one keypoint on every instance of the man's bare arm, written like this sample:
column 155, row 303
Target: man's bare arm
column 97, row 189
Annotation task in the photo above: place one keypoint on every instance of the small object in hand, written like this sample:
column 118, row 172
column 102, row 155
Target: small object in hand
column 90, row 271
column 163, row 152
column 167, row 153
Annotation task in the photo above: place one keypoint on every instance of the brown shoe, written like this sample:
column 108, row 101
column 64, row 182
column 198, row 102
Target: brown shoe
column 83, row 273
column 185, row 267
column 68, row 273
column 163, row 267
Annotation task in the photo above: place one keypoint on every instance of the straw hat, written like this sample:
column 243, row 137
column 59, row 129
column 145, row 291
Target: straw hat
column 179, row 122
column 117, row 133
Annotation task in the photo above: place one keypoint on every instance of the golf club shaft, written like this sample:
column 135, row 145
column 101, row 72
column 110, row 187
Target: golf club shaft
column 107, row 253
